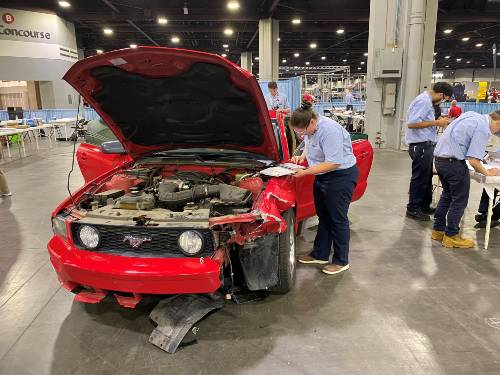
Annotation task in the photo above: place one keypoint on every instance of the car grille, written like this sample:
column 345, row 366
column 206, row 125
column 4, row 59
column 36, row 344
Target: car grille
column 163, row 244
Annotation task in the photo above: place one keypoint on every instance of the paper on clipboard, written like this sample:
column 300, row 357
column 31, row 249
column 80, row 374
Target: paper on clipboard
column 285, row 169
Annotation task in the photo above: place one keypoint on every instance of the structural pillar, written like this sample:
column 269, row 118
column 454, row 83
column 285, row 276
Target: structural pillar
column 409, row 25
column 268, row 50
column 246, row 61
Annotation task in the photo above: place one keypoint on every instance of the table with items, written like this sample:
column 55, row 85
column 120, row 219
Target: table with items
column 489, row 183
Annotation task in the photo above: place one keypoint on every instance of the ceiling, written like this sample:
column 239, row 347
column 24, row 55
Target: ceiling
column 136, row 22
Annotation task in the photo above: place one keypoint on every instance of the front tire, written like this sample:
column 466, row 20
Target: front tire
column 287, row 243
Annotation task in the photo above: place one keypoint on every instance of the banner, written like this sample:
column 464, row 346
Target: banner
column 482, row 90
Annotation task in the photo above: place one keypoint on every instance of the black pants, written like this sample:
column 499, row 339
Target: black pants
column 422, row 156
column 455, row 179
column 350, row 128
column 485, row 201
column 332, row 197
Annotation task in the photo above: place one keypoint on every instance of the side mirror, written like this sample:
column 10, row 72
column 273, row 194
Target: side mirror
column 113, row 147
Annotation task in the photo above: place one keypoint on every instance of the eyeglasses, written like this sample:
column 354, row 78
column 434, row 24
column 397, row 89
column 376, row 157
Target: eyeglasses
column 302, row 132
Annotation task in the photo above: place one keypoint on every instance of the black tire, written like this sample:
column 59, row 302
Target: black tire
column 286, row 256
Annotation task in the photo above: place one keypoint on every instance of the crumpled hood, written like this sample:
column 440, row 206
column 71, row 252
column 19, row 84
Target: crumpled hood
column 156, row 98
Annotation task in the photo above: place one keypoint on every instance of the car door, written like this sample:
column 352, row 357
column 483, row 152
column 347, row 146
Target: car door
column 363, row 151
column 94, row 162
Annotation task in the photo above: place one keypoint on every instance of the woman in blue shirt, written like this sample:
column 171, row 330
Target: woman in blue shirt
column 328, row 150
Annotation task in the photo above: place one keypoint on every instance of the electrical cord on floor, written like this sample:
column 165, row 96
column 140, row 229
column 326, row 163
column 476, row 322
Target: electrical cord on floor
column 74, row 136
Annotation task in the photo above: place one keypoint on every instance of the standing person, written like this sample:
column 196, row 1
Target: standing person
column 4, row 188
column 455, row 111
column 465, row 138
column 349, row 100
column 328, row 150
column 275, row 100
column 421, row 138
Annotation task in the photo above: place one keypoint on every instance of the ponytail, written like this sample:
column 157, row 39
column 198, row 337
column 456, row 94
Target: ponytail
column 303, row 115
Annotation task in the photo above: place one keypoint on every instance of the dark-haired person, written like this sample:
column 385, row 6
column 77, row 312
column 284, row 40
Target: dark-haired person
column 421, row 137
column 276, row 100
column 465, row 139
column 328, row 150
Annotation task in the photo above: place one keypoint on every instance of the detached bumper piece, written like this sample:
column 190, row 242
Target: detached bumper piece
column 176, row 315
column 97, row 295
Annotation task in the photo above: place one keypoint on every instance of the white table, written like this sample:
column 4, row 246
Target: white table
column 64, row 122
column 358, row 120
column 489, row 183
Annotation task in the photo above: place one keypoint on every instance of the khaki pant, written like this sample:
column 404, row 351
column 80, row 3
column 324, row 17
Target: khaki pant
column 4, row 188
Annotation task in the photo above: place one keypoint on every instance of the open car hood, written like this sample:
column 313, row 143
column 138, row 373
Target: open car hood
column 156, row 98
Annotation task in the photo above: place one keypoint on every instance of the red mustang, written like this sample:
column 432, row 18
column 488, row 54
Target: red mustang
column 181, row 204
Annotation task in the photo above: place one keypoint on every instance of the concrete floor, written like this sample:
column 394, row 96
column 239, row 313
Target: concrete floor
column 407, row 306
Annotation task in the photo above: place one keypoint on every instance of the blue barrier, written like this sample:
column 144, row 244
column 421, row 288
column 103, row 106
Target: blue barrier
column 320, row 107
column 50, row 114
column 483, row 108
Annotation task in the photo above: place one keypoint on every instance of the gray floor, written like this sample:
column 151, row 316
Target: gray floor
column 407, row 306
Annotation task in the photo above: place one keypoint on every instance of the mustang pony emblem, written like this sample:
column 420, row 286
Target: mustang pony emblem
column 135, row 242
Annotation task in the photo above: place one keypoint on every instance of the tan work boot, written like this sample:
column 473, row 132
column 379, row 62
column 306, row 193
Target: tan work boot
column 458, row 242
column 308, row 259
column 333, row 269
column 437, row 235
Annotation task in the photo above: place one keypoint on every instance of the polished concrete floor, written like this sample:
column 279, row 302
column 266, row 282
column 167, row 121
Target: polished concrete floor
column 406, row 306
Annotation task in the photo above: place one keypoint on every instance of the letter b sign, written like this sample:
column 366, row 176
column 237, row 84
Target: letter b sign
column 7, row 18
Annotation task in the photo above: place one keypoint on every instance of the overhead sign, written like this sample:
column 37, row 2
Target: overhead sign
column 36, row 35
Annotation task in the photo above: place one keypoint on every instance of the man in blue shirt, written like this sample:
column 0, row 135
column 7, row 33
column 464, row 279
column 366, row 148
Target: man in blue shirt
column 349, row 101
column 465, row 138
column 275, row 100
column 421, row 138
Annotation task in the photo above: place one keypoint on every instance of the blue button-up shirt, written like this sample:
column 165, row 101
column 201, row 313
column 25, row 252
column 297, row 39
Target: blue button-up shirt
column 349, row 99
column 420, row 110
column 330, row 143
column 277, row 101
column 466, row 137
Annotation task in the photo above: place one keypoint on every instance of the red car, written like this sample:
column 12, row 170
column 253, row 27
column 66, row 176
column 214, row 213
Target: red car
column 179, row 205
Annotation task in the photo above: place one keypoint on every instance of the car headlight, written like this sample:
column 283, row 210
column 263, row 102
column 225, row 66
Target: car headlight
column 190, row 242
column 89, row 236
column 59, row 226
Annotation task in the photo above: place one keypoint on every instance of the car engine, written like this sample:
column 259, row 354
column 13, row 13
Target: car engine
column 144, row 197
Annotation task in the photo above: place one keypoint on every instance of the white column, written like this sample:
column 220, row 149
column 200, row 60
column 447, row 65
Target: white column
column 406, row 24
column 268, row 50
column 246, row 61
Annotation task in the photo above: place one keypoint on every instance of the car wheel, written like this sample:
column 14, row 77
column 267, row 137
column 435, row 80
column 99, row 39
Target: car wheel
column 286, row 255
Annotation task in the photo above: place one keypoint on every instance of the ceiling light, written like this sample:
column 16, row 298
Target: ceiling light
column 365, row 54
column 448, row 31
column 433, row 61
column 233, row 5
column 224, row 55
column 362, row 63
column 279, row 39
column 296, row 21
column 313, row 45
column 99, row 51
column 446, row 66
column 296, row 54
column 162, row 20
column 465, row 39
column 225, row 46
column 359, row 68
column 483, row 65
column 307, row 63
column 283, row 61
column 340, row 31
column 256, row 58
column 133, row 46
column 468, row 62
column 175, row 39
column 447, row 57
column 64, row 4
column 498, row 53
column 107, row 31
column 344, row 60
column 323, row 57
column 458, row 60
column 228, row 31
column 479, row 45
